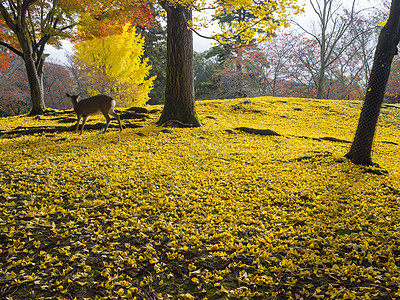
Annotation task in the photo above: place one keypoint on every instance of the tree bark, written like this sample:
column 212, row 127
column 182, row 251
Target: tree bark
column 31, row 55
column 35, row 78
column 179, row 91
column 320, row 84
column 322, row 67
column 360, row 151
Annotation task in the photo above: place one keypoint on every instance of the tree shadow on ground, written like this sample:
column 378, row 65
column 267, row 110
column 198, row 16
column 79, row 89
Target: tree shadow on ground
column 138, row 114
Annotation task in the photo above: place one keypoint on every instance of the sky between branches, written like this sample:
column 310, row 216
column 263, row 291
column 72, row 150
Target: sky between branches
column 201, row 44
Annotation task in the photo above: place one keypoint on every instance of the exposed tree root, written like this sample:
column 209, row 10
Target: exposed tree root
column 258, row 131
column 140, row 110
column 177, row 124
column 274, row 133
column 132, row 115
column 333, row 139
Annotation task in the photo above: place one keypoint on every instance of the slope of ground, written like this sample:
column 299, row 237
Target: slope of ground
column 202, row 213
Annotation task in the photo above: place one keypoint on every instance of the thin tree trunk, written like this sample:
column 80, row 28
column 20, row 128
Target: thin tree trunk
column 179, row 91
column 360, row 151
column 320, row 83
column 322, row 67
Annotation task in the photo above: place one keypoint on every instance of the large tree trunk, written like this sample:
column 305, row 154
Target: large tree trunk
column 35, row 78
column 179, row 91
column 34, row 69
column 360, row 151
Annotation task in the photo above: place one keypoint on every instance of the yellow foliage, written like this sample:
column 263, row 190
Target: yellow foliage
column 205, row 212
column 269, row 16
column 119, row 57
column 382, row 23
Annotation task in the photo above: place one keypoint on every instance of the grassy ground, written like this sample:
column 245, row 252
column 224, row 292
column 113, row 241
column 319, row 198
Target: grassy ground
column 205, row 213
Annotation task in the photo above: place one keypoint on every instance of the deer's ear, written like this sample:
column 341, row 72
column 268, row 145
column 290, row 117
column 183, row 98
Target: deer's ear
column 78, row 97
column 68, row 95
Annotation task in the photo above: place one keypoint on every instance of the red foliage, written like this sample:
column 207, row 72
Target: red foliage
column 109, row 17
column 5, row 60
column 14, row 92
column 56, row 80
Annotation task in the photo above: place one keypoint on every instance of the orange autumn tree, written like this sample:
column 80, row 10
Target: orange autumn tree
column 108, row 17
column 5, row 58
column 30, row 25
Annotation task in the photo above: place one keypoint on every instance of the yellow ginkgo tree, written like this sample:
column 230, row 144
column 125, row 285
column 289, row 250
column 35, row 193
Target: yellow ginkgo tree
column 179, row 105
column 118, row 57
column 28, row 26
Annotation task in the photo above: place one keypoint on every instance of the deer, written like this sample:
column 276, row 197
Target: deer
column 91, row 106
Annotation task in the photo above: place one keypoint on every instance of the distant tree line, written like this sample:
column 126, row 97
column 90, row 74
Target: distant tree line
column 331, row 64
column 286, row 65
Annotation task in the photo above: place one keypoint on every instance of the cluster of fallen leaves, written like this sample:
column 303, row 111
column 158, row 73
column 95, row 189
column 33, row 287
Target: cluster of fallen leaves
column 204, row 213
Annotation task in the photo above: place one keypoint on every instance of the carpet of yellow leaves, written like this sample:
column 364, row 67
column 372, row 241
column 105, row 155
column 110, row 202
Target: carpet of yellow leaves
column 204, row 213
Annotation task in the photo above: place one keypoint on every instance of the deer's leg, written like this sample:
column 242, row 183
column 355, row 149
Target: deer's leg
column 114, row 114
column 108, row 119
column 83, row 123
column 77, row 124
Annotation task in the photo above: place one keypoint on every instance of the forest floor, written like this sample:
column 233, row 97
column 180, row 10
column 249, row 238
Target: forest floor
column 201, row 213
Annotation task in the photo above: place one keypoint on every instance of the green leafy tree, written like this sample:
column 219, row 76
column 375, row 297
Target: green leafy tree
column 233, row 41
column 205, row 72
column 179, row 105
column 155, row 49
